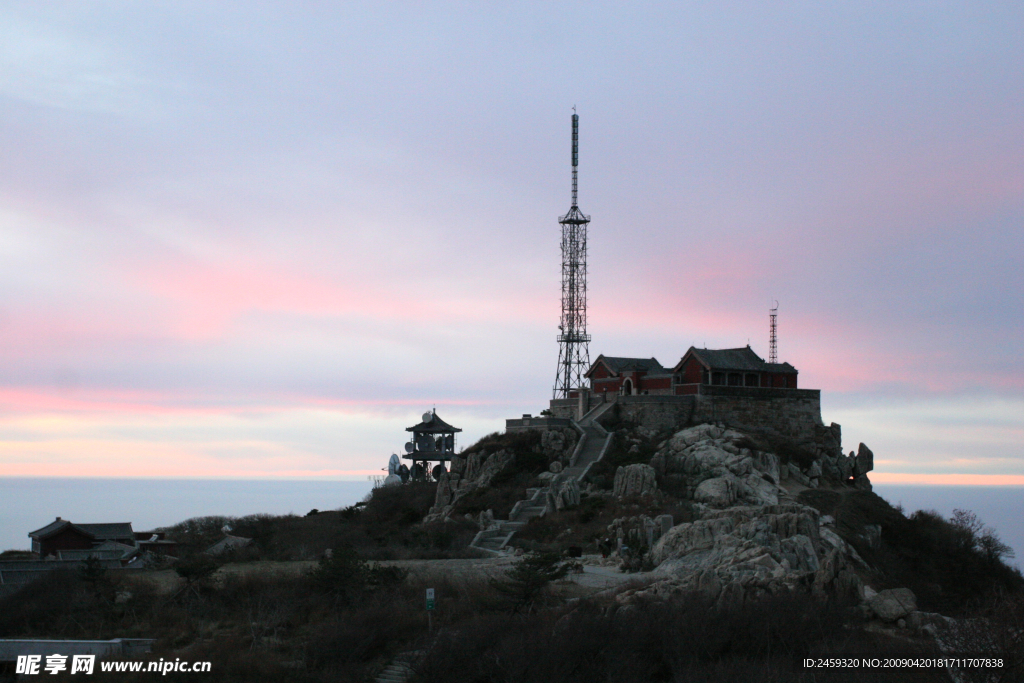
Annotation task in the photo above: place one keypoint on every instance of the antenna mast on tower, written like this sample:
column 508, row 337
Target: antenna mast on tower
column 573, row 340
column 773, row 350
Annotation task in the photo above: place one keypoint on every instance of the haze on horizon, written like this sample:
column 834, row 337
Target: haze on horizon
column 258, row 240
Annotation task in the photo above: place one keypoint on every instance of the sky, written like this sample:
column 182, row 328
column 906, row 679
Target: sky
column 260, row 239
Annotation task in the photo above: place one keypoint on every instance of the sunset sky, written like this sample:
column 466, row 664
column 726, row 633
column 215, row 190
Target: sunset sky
column 260, row 239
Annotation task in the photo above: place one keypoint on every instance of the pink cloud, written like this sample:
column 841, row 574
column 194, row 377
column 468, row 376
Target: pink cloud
column 948, row 479
column 36, row 401
column 204, row 301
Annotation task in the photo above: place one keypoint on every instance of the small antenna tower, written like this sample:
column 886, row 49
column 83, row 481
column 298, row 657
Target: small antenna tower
column 573, row 340
column 773, row 349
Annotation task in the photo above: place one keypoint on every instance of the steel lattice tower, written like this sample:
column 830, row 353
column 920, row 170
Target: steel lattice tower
column 573, row 340
column 773, row 351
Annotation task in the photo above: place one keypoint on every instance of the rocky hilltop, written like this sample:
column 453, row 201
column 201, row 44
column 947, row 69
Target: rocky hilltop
column 734, row 515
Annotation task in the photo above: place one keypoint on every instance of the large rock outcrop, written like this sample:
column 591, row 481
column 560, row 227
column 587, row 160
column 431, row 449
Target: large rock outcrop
column 717, row 464
column 465, row 475
column 750, row 536
column 634, row 480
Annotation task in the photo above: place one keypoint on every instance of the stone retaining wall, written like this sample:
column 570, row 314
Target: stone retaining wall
column 656, row 412
column 794, row 414
column 791, row 413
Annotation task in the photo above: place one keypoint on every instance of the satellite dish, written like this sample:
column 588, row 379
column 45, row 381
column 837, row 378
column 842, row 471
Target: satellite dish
column 437, row 471
column 427, row 416
column 409, row 447
column 393, row 464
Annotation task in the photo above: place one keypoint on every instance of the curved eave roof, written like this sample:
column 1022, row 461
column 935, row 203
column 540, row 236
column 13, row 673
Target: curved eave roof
column 434, row 425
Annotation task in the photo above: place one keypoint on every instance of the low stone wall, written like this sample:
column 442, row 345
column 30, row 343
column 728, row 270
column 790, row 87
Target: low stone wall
column 656, row 412
column 564, row 407
column 525, row 423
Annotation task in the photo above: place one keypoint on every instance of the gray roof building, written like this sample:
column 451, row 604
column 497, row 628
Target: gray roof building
column 743, row 359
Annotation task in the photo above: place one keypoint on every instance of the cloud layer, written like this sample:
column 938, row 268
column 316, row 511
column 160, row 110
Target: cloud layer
column 246, row 240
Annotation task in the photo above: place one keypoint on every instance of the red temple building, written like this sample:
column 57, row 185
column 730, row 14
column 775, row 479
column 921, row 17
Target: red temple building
column 710, row 367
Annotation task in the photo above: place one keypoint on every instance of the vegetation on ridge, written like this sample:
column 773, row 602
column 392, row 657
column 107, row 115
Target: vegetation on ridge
column 951, row 565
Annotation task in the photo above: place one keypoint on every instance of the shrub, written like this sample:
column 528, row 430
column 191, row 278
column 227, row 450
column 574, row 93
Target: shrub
column 196, row 569
column 345, row 577
column 527, row 579
column 198, row 533
column 685, row 639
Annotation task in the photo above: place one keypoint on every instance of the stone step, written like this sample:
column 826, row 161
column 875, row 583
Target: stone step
column 490, row 533
column 493, row 547
column 395, row 673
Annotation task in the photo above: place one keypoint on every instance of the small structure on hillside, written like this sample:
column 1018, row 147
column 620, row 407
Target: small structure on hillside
column 228, row 544
column 62, row 534
column 62, row 544
column 433, row 441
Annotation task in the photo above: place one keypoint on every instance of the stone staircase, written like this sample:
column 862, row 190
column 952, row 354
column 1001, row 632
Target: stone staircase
column 590, row 448
column 399, row 670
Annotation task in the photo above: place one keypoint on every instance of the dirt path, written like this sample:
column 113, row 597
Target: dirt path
column 593, row 577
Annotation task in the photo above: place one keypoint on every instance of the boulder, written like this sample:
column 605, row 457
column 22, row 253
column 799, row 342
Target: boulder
column 767, row 463
column 862, row 483
column 717, row 492
column 486, row 519
column 555, row 467
column 444, row 493
column 758, row 491
column 634, row 480
column 567, row 495
column 799, row 551
column 830, row 470
column 496, row 464
column 799, row 477
column 846, row 466
column 927, row 621
column 458, row 465
column 557, row 443
column 892, row 604
column 865, row 461
column 691, row 537
column 687, row 437
column 474, row 462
